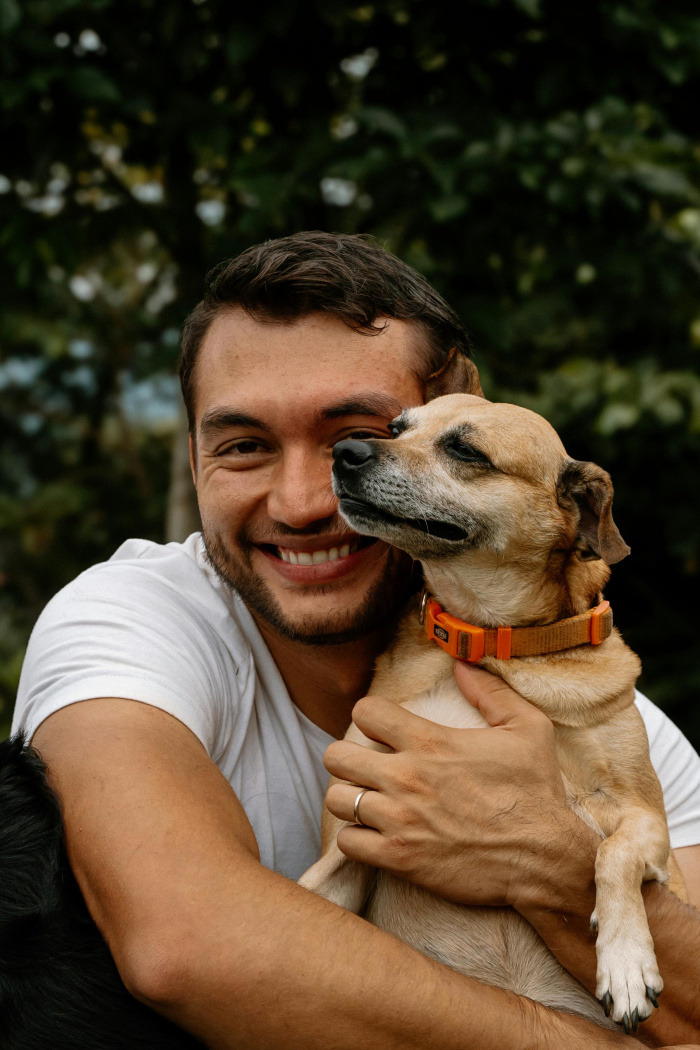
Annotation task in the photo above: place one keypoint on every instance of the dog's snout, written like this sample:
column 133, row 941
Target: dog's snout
column 353, row 454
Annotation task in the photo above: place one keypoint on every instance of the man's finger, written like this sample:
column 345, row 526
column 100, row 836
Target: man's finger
column 363, row 844
column 388, row 723
column 360, row 765
column 498, row 703
column 341, row 800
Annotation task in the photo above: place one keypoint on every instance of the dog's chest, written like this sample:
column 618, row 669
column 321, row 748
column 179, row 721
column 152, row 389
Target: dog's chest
column 444, row 704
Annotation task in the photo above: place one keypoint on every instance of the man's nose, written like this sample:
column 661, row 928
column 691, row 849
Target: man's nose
column 353, row 455
column 302, row 492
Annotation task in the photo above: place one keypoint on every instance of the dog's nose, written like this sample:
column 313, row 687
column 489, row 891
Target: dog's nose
column 353, row 454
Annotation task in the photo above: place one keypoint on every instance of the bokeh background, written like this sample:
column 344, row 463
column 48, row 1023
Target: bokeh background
column 538, row 161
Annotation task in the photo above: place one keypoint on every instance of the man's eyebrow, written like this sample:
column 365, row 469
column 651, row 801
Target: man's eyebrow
column 222, row 418
column 369, row 404
column 363, row 405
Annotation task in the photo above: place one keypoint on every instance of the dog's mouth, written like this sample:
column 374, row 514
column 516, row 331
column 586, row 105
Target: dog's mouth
column 360, row 511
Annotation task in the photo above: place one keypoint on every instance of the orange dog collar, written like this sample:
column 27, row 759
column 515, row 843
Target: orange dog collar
column 465, row 641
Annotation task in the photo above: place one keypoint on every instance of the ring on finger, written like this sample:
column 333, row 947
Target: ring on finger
column 356, row 808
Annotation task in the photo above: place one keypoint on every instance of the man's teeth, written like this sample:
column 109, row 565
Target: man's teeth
column 317, row 557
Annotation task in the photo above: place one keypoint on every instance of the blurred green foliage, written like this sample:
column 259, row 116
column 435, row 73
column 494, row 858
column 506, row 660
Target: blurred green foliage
column 539, row 164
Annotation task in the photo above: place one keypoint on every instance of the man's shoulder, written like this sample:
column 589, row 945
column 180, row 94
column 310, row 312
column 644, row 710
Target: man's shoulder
column 139, row 566
column 154, row 624
column 140, row 557
column 167, row 586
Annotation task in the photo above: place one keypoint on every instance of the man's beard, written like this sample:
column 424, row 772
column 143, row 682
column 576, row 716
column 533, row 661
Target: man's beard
column 379, row 606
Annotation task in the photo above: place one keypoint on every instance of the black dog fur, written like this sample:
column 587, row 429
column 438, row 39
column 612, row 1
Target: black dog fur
column 59, row 987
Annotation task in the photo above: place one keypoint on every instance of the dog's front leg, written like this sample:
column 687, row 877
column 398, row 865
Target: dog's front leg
column 628, row 980
column 345, row 882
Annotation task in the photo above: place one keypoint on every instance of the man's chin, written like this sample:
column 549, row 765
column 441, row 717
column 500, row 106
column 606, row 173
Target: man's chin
column 321, row 615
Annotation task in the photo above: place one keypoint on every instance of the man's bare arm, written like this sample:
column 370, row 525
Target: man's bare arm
column 563, row 923
column 688, row 858
column 238, row 955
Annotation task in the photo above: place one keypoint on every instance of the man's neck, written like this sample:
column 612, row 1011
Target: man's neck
column 325, row 681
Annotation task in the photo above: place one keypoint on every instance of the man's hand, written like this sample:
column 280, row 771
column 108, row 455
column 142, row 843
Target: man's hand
column 477, row 815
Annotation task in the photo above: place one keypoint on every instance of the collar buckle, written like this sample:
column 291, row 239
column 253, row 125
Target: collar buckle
column 460, row 640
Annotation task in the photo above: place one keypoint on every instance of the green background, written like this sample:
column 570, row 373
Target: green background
column 539, row 162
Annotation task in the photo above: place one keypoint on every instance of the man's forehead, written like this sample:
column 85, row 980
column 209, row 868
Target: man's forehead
column 236, row 335
column 315, row 359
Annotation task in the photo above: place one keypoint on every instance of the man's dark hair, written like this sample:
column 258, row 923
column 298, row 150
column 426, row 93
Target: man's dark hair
column 347, row 276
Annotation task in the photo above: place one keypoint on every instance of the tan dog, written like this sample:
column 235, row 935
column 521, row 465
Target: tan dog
column 512, row 532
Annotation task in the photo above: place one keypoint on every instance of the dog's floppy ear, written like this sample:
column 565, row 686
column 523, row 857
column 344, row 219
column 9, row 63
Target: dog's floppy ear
column 458, row 375
column 588, row 488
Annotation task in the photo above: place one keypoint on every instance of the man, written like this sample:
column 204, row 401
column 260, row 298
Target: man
column 183, row 697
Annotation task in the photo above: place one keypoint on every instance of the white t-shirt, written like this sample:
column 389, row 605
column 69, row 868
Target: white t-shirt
column 155, row 624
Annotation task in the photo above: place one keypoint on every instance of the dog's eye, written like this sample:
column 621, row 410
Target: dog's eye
column 465, row 452
column 394, row 429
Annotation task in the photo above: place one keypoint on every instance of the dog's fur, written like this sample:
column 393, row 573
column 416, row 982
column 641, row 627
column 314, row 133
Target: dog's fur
column 512, row 531
column 59, row 987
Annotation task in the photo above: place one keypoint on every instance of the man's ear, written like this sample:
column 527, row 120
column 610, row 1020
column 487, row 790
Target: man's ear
column 458, row 375
column 588, row 489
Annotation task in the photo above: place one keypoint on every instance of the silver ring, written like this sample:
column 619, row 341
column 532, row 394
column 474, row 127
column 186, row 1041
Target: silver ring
column 355, row 812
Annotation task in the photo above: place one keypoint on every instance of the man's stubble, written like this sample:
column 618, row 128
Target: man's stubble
column 378, row 608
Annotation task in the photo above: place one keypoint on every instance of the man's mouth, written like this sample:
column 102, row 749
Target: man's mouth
column 319, row 555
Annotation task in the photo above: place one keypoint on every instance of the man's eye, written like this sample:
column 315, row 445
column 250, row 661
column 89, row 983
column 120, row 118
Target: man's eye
column 242, row 448
column 362, row 435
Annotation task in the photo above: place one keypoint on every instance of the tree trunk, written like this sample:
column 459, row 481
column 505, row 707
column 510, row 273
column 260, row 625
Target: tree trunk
column 182, row 515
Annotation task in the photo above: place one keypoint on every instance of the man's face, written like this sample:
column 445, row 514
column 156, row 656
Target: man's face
column 271, row 402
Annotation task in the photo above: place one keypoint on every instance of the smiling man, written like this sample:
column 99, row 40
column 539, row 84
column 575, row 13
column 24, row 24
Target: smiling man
column 278, row 397
column 184, row 696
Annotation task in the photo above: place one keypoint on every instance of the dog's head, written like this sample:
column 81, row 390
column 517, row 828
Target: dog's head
column 463, row 475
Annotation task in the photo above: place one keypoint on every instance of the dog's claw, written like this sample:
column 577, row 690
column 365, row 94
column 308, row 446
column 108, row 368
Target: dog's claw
column 635, row 1019
column 606, row 1003
column 652, row 996
column 626, row 1022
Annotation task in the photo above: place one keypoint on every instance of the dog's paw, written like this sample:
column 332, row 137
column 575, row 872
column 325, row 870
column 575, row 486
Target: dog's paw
column 628, row 982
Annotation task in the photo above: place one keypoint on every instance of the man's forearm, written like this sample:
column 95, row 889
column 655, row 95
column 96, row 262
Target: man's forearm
column 563, row 925
column 291, row 970
column 236, row 954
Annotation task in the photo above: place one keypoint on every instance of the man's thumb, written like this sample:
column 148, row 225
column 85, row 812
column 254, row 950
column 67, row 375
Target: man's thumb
column 498, row 703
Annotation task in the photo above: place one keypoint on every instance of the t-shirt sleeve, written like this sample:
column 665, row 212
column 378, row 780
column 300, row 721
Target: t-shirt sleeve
column 120, row 630
column 677, row 766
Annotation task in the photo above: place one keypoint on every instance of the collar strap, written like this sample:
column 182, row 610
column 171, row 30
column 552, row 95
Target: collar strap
column 464, row 641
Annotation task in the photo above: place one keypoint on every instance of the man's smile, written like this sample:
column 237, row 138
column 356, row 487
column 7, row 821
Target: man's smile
column 317, row 560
